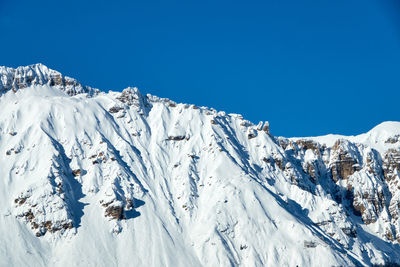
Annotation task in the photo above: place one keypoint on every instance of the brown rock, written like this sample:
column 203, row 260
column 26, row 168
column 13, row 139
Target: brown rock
column 344, row 165
column 20, row 200
column 76, row 172
column 115, row 109
column 114, row 212
column 176, row 138
column 308, row 144
column 391, row 162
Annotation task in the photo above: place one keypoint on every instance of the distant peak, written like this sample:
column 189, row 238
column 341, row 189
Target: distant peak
column 387, row 126
column 387, row 132
column 40, row 74
column 37, row 65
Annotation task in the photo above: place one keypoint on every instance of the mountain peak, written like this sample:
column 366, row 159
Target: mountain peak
column 39, row 74
column 387, row 127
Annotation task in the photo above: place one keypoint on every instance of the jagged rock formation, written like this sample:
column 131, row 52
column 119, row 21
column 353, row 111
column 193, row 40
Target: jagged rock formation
column 359, row 177
column 39, row 74
column 90, row 178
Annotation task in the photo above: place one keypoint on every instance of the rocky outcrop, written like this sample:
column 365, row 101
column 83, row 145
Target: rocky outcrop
column 251, row 133
column 114, row 210
column 308, row 144
column 365, row 181
column 177, row 137
column 142, row 104
column 38, row 74
column 46, row 207
column 343, row 161
column 391, row 164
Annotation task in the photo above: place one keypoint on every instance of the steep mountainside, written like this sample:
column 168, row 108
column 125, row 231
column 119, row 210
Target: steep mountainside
column 123, row 179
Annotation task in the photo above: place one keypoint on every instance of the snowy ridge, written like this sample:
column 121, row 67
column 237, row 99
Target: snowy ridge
column 381, row 137
column 39, row 74
column 126, row 179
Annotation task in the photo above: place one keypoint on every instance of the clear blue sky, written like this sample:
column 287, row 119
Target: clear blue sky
column 309, row 67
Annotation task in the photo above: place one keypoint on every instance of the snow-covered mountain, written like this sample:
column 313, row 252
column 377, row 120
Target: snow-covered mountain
column 123, row 179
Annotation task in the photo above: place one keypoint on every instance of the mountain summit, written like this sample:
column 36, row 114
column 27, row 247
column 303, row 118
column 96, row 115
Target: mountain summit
column 37, row 75
column 122, row 179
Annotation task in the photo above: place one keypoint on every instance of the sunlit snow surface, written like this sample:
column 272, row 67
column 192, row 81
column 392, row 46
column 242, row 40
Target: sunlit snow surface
column 193, row 188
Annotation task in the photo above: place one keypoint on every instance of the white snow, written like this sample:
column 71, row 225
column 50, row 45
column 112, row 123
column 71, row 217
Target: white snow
column 194, row 184
column 376, row 138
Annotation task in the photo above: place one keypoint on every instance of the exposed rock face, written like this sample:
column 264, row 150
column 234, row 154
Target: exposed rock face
column 115, row 109
column 393, row 139
column 367, row 181
column 134, row 99
column 308, row 144
column 266, row 127
column 115, row 211
column 391, row 164
column 343, row 161
column 38, row 74
column 177, row 138
column 251, row 133
column 76, row 172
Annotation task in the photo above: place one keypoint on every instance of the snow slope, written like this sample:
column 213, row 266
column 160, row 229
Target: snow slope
column 122, row 179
